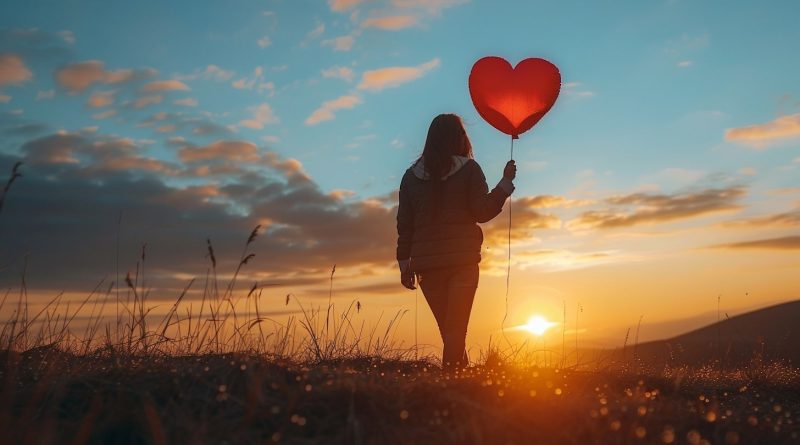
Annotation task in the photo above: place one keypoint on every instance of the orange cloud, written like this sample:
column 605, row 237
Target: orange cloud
column 100, row 99
column 781, row 128
column 526, row 219
column 165, row 85
column 220, row 150
column 326, row 111
column 785, row 219
column 782, row 243
column 343, row 5
column 390, row 77
column 77, row 77
column 13, row 70
column 390, row 23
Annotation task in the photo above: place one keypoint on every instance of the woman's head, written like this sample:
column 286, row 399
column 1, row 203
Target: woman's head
column 446, row 137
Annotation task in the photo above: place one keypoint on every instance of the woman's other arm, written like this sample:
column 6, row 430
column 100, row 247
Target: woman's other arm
column 485, row 205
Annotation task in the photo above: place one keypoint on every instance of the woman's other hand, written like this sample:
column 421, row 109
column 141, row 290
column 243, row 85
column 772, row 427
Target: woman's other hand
column 510, row 172
column 407, row 279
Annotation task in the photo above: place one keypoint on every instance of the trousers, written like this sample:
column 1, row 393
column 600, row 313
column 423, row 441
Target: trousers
column 450, row 293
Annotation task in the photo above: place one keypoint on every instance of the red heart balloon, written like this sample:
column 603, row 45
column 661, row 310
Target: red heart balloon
column 513, row 99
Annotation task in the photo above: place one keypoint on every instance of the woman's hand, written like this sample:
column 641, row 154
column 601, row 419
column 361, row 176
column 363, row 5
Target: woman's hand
column 510, row 172
column 406, row 275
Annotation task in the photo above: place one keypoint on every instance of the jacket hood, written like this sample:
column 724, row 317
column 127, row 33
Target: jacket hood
column 419, row 167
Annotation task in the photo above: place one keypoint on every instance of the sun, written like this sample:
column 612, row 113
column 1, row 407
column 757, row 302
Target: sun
column 538, row 325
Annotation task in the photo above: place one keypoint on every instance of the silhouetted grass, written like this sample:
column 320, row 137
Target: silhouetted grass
column 225, row 373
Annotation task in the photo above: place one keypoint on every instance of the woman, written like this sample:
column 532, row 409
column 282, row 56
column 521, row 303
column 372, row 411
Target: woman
column 442, row 197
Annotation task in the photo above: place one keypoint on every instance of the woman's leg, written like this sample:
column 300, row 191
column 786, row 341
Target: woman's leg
column 461, row 289
column 434, row 287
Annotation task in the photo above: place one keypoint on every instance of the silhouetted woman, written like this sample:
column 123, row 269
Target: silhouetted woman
column 442, row 197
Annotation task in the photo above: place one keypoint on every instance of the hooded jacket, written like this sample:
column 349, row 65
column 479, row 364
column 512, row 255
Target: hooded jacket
column 437, row 222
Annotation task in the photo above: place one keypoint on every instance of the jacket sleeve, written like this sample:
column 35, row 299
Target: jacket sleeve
column 405, row 221
column 485, row 205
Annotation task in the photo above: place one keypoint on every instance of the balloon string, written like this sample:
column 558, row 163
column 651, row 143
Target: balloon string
column 508, row 261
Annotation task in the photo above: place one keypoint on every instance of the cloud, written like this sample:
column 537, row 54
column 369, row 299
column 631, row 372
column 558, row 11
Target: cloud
column 101, row 99
column 77, row 77
column 256, row 82
column 104, row 114
column 316, row 32
column 4, row 99
column 391, row 77
column 342, row 43
column 145, row 101
column 210, row 72
column 341, row 72
column 784, row 219
column 13, row 70
column 575, row 89
column 658, row 208
column 684, row 64
column 240, row 151
column 431, row 7
column 526, row 219
column 326, row 111
column 187, row 102
column 343, row 5
column 782, row 243
column 165, row 85
column 66, row 216
column 262, row 115
column 264, row 42
column 45, row 95
column 68, row 36
column 390, row 23
column 783, row 127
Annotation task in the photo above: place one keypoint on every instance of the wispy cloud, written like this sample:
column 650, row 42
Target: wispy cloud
column 341, row 72
column 431, row 7
column 187, row 102
column 390, row 77
column 342, row 43
column 784, row 219
column 326, row 111
column 262, row 115
column 264, row 42
column 659, row 208
column 781, row 243
column 165, row 85
column 390, row 23
column 760, row 135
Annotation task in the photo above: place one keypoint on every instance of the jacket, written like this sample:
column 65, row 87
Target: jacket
column 437, row 223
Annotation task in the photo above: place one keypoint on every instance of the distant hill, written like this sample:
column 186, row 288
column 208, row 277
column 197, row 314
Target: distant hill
column 771, row 334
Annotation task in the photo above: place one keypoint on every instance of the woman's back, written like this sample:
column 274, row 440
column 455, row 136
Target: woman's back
column 437, row 218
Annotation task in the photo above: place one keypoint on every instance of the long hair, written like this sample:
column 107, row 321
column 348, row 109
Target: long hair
column 446, row 137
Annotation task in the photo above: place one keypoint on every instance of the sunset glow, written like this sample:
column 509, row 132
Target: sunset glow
column 538, row 325
column 663, row 178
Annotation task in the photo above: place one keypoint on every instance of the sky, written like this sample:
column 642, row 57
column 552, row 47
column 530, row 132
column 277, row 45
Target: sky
column 663, row 181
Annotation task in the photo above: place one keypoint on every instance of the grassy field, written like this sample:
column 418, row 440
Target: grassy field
column 224, row 373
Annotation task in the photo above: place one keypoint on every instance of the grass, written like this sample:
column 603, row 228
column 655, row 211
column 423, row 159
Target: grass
column 224, row 372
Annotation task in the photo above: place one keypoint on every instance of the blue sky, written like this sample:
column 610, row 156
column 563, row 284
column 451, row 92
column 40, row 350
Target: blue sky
column 687, row 113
